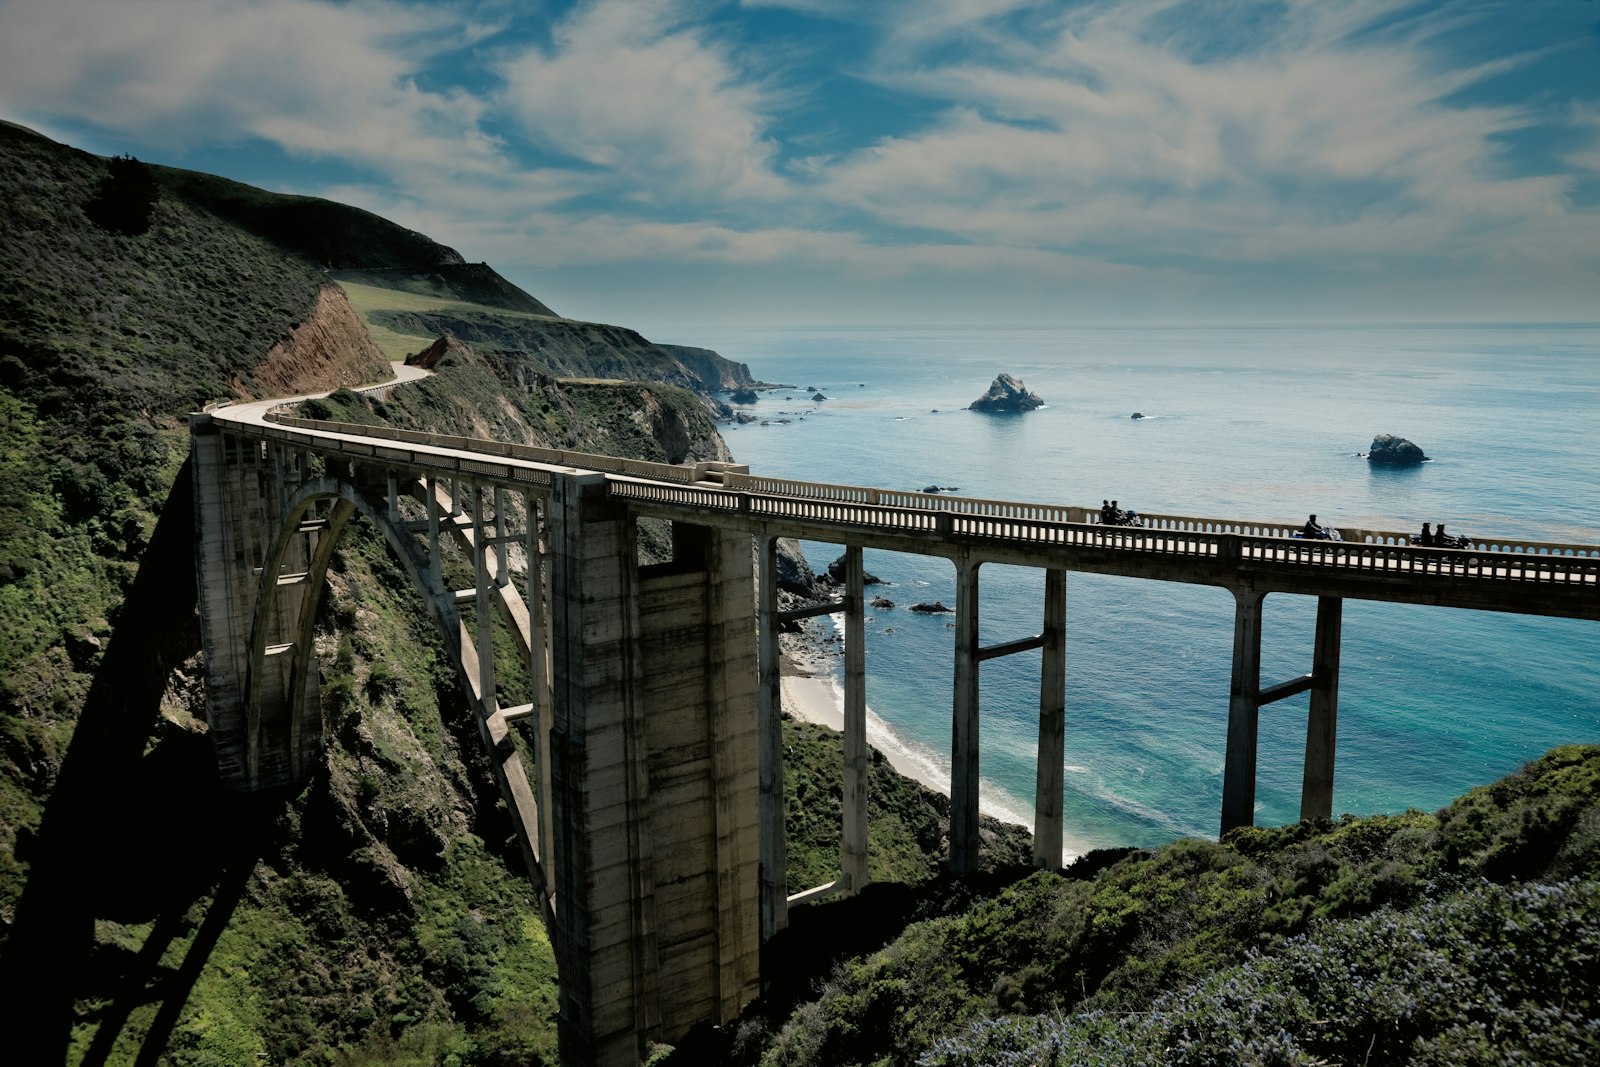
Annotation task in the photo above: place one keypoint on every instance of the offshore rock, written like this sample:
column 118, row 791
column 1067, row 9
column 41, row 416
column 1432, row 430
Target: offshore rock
column 836, row 571
column 1006, row 395
column 936, row 608
column 1390, row 451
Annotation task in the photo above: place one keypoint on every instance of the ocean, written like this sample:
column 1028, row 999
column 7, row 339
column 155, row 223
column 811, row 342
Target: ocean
column 1257, row 423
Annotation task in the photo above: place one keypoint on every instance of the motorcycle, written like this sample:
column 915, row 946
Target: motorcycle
column 1326, row 533
column 1447, row 541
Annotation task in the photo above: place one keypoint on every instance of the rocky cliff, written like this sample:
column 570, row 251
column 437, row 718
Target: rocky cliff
column 526, row 348
column 328, row 348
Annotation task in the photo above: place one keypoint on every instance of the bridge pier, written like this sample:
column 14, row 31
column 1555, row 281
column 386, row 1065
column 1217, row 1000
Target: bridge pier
column 1244, row 708
column 853, row 854
column 964, row 841
column 774, row 863
column 1316, row 789
column 1049, row 782
column 654, row 771
column 1247, row 697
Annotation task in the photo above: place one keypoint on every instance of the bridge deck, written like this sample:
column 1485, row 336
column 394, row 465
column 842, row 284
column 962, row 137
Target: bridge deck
column 1526, row 577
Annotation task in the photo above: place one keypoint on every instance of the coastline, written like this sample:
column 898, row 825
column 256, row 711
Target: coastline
column 810, row 694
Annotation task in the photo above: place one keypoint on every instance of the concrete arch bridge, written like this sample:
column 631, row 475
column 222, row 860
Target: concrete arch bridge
column 651, row 818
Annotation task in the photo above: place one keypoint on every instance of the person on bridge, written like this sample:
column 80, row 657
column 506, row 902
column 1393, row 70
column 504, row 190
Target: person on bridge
column 1311, row 529
column 1441, row 539
column 1427, row 536
column 1105, row 512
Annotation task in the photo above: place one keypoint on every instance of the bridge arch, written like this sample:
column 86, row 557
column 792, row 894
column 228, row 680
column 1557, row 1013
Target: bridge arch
column 286, row 607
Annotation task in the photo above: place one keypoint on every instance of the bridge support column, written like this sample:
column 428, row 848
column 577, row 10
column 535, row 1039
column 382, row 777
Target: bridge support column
column 854, row 852
column 1239, row 767
column 1049, row 781
column 502, row 574
column 483, row 618
column 656, row 787
column 435, row 565
column 769, row 737
column 543, row 701
column 964, row 740
column 1316, row 790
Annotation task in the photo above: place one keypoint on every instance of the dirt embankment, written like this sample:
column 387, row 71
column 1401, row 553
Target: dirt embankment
column 328, row 348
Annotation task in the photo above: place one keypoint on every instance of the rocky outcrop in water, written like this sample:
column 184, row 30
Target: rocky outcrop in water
column 1005, row 396
column 836, row 571
column 1390, row 451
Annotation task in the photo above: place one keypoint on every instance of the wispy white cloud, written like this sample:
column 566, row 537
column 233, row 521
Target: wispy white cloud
column 323, row 80
column 1323, row 140
column 632, row 88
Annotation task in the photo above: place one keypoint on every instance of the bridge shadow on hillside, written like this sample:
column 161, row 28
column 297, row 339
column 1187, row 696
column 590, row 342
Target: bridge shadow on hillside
column 796, row 963
column 137, row 830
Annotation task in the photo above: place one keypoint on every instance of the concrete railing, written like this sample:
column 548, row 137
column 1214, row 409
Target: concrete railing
column 895, row 498
column 555, row 457
column 1555, row 567
column 1351, row 534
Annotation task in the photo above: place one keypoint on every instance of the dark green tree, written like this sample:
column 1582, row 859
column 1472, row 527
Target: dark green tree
column 125, row 198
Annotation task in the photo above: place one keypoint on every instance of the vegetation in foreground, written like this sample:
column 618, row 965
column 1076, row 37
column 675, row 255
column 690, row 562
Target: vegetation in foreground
column 1389, row 939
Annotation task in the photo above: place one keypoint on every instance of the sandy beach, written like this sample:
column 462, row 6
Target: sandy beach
column 811, row 695
column 811, row 699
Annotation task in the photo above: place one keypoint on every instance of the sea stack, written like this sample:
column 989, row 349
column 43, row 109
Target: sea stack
column 1007, row 395
column 1390, row 451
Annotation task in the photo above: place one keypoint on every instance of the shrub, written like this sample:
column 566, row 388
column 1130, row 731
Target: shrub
column 1482, row 974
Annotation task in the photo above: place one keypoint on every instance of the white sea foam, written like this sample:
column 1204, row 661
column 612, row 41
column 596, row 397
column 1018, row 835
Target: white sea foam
column 916, row 760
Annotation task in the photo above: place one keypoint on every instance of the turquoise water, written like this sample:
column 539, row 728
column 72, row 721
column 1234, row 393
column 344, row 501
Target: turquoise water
column 1257, row 423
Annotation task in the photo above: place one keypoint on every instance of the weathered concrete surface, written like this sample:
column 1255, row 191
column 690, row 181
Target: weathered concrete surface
column 250, row 625
column 655, row 779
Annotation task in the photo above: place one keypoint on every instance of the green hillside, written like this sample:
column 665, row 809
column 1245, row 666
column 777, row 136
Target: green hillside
column 322, row 232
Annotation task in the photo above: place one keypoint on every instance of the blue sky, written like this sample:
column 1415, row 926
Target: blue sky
column 679, row 162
